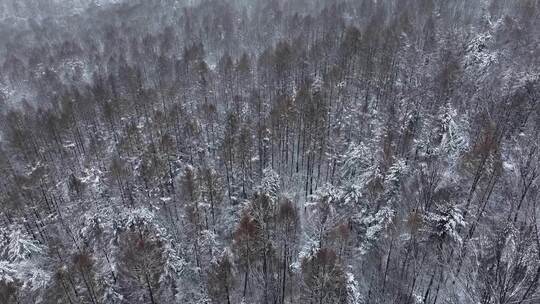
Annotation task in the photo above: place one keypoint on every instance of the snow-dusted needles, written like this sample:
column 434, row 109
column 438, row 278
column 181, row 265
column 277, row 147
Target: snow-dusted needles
column 269, row 151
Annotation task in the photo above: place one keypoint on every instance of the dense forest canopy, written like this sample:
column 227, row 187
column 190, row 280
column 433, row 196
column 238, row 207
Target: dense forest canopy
column 269, row 151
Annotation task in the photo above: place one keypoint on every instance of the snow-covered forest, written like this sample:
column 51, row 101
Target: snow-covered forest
column 269, row 151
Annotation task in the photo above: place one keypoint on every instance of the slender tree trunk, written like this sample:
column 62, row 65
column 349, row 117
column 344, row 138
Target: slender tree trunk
column 150, row 292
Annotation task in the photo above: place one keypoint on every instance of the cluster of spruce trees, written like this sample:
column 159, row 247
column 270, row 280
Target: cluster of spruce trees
column 270, row 151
